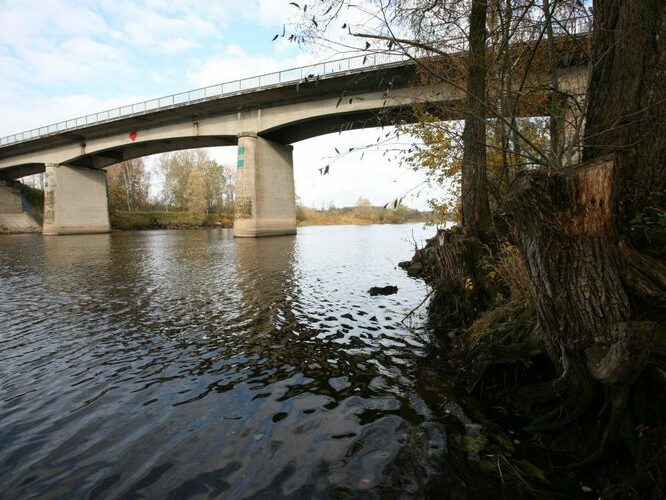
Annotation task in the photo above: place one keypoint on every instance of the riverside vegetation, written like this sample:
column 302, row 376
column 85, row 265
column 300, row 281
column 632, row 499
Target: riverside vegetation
column 193, row 190
column 363, row 213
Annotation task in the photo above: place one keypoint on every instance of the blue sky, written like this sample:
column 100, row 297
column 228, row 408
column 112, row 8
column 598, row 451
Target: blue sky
column 64, row 58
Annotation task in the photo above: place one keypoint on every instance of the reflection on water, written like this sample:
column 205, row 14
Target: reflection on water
column 189, row 364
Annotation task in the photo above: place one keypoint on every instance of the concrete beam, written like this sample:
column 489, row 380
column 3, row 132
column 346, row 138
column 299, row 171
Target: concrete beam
column 75, row 201
column 265, row 197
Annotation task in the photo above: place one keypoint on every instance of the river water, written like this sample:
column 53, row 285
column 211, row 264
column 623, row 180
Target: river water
column 188, row 364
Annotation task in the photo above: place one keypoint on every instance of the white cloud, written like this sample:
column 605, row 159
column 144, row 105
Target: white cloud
column 366, row 172
column 18, row 117
column 235, row 64
column 271, row 12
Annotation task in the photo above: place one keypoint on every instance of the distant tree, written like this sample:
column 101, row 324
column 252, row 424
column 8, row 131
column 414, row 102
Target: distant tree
column 215, row 180
column 196, row 195
column 363, row 208
column 175, row 170
column 229, row 189
column 128, row 184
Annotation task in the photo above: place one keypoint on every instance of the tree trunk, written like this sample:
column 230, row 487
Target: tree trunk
column 475, row 205
column 556, row 109
column 627, row 101
column 595, row 293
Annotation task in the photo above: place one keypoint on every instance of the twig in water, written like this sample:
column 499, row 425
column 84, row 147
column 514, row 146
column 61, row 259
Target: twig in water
column 415, row 309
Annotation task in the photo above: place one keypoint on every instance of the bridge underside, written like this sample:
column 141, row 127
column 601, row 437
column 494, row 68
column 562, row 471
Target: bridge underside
column 111, row 156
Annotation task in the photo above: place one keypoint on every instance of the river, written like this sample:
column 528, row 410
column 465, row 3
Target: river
column 189, row 364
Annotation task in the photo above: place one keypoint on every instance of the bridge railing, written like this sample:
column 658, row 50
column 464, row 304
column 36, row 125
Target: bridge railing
column 358, row 63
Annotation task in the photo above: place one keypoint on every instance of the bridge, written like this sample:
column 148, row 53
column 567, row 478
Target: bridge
column 262, row 115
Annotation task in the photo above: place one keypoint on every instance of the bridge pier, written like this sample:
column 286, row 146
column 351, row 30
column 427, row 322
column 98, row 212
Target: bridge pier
column 265, row 202
column 75, row 201
column 16, row 216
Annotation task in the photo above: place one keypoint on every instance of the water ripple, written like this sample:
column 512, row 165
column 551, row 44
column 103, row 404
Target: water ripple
column 190, row 364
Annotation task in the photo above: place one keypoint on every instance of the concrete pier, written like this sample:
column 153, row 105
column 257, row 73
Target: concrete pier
column 265, row 203
column 15, row 216
column 75, row 201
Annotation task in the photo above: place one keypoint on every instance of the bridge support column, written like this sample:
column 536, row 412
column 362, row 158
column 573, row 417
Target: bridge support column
column 573, row 85
column 16, row 216
column 75, row 201
column 574, row 126
column 265, row 203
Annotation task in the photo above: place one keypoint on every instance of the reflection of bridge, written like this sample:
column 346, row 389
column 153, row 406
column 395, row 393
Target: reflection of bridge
column 262, row 115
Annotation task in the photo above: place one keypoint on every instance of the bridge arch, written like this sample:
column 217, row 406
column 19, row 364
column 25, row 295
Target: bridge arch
column 123, row 152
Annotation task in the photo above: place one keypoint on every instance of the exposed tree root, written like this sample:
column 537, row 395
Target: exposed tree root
column 578, row 390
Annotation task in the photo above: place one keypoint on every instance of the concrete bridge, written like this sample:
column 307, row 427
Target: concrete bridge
column 262, row 115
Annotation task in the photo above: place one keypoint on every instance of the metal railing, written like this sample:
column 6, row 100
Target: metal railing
column 364, row 62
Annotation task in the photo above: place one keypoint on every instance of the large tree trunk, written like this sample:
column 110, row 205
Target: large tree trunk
column 597, row 295
column 475, row 205
column 627, row 101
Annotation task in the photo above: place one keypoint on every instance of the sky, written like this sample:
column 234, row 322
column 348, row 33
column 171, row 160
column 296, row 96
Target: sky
column 60, row 59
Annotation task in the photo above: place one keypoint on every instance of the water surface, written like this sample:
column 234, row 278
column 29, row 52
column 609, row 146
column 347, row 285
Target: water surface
column 187, row 364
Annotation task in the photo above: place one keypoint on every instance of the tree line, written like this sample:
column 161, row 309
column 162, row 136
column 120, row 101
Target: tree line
column 185, row 181
column 363, row 212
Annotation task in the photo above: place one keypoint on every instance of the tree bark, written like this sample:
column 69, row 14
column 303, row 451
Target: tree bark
column 626, row 113
column 595, row 294
column 475, row 204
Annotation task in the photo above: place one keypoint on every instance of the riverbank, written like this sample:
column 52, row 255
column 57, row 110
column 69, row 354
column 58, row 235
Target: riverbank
column 483, row 311
column 134, row 221
column 359, row 215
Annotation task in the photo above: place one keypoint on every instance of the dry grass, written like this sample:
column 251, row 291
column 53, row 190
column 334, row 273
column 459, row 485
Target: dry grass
column 511, row 271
